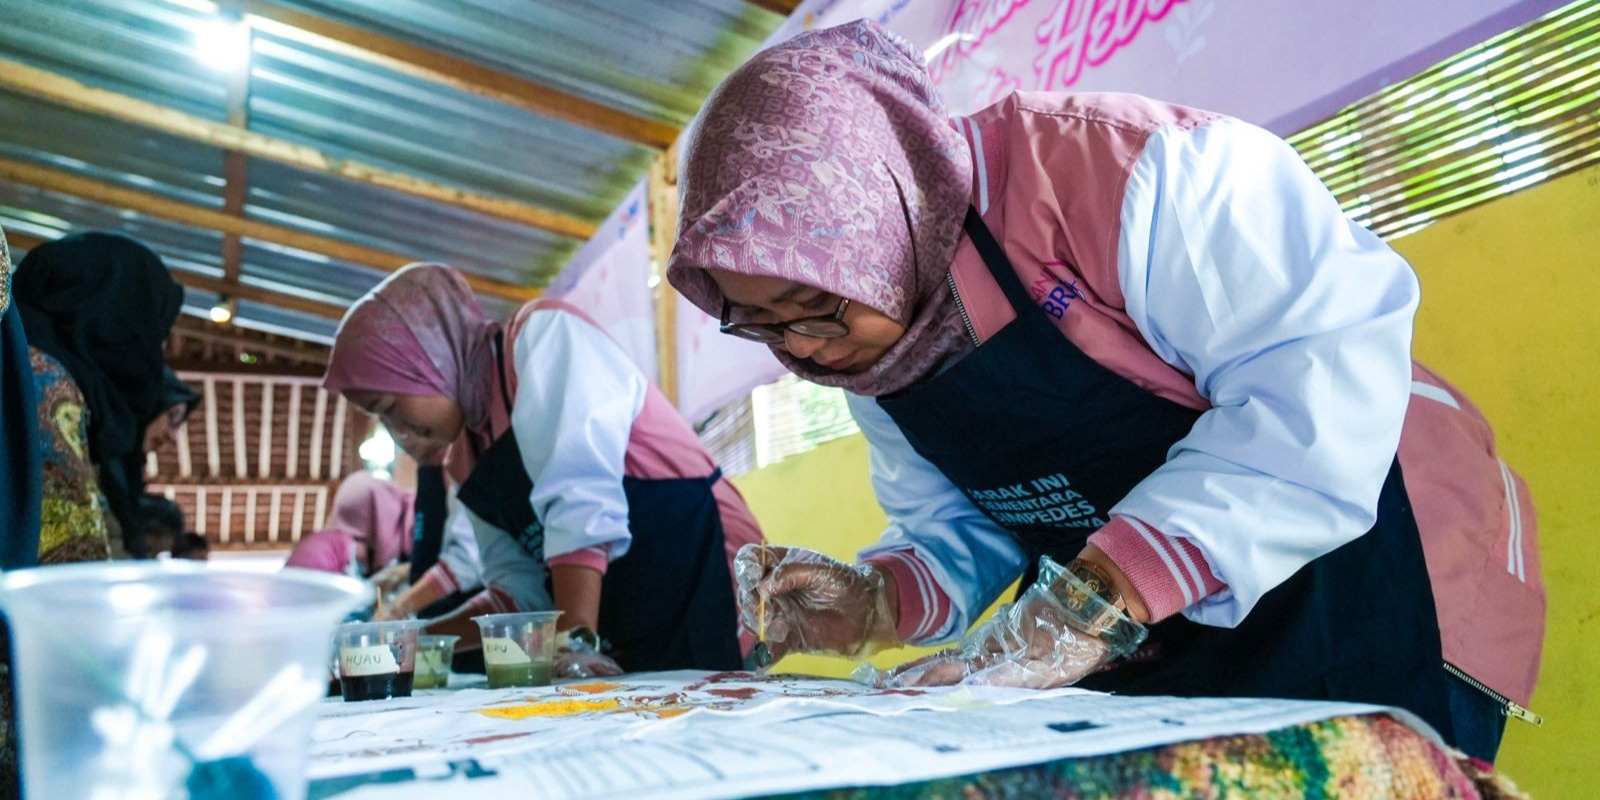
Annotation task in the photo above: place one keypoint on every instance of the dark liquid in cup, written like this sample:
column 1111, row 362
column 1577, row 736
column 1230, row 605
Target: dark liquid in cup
column 376, row 687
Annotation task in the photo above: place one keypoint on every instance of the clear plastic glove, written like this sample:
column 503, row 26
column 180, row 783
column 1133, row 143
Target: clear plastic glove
column 392, row 577
column 814, row 603
column 582, row 663
column 1055, row 634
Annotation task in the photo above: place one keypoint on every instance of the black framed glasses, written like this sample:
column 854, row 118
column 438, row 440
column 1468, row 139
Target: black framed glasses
column 826, row 326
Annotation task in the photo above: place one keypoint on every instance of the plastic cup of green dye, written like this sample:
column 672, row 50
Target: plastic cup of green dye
column 434, row 654
column 378, row 660
column 519, row 649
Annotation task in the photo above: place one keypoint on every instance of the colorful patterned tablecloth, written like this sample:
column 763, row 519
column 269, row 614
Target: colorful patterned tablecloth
column 1345, row 758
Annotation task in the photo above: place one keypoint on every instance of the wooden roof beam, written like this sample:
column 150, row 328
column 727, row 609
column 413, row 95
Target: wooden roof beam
column 783, row 7
column 258, row 294
column 206, row 283
column 64, row 91
column 428, row 64
column 55, row 180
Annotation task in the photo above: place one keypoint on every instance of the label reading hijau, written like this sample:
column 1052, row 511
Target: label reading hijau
column 378, row 659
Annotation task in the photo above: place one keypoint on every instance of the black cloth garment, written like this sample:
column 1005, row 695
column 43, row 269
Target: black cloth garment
column 1029, row 409
column 175, row 392
column 21, row 462
column 103, row 304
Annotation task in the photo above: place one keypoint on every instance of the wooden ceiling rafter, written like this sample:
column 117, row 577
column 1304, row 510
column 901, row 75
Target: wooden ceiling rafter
column 60, row 90
column 781, row 7
column 154, row 205
column 424, row 62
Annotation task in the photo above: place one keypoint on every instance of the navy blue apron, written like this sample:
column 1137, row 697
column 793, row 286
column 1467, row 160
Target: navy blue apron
column 1045, row 440
column 666, row 604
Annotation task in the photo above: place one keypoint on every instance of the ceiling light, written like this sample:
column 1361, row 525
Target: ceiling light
column 223, row 45
column 222, row 312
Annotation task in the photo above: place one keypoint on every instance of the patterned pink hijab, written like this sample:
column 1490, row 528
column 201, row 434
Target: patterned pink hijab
column 829, row 160
column 422, row 332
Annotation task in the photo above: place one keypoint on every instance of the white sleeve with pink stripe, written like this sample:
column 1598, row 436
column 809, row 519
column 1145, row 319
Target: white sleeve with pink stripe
column 577, row 398
column 459, row 550
column 958, row 560
column 507, row 567
column 1239, row 268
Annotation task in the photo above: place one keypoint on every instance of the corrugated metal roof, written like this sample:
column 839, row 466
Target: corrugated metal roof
column 656, row 59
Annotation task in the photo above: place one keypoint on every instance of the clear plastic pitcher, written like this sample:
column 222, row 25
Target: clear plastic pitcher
column 168, row 680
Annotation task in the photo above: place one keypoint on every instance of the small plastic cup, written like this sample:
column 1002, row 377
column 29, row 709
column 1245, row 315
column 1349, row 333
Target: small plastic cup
column 519, row 649
column 169, row 679
column 434, row 654
column 378, row 660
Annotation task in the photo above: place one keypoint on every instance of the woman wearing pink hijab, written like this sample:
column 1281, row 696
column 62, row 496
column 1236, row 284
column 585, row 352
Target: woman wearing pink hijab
column 586, row 492
column 369, row 531
column 1133, row 346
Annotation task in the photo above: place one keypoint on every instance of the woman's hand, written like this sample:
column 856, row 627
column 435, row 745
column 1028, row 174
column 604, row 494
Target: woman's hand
column 814, row 603
column 1055, row 634
column 392, row 577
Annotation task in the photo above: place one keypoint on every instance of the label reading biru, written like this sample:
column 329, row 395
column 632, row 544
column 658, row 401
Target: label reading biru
column 356, row 662
column 500, row 650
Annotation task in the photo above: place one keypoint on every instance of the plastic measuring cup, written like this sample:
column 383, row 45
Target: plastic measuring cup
column 160, row 679
column 377, row 660
column 519, row 649
column 434, row 654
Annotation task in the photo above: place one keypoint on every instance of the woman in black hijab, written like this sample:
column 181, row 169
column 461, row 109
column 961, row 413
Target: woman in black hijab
column 100, row 306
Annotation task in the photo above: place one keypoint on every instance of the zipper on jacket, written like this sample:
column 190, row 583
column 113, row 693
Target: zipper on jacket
column 1507, row 707
column 961, row 307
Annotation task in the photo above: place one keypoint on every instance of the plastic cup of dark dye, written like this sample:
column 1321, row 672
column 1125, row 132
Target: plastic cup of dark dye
column 378, row 660
column 434, row 654
column 519, row 649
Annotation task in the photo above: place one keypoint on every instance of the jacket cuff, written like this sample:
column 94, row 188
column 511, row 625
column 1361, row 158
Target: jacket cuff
column 440, row 580
column 1170, row 573
column 596, row 558
column 924, row 607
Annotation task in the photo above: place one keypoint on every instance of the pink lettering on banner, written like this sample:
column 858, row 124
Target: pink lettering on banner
column 975, row 21
column 1088, row 32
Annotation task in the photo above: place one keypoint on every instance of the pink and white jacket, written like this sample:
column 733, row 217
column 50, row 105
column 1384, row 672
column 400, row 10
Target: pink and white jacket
column 1198, row 257
column 584, row 418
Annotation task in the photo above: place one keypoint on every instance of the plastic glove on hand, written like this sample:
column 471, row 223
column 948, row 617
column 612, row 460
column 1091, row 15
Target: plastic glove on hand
column 1055, row 634
column 581, row 663
column 814, row 603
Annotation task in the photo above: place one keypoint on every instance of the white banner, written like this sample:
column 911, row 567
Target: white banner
column 610, row 280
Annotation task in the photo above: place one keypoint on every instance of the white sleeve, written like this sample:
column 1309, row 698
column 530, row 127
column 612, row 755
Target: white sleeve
column 509, row 567
column 1239, row 268
column 577, row 398
column 971, row 558
column 459, row 550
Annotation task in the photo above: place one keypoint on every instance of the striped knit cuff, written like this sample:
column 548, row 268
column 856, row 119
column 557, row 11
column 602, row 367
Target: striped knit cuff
column 489, row 601
column 1169, row 573
column 924, row 607
column 596, row 558
column 439, row 580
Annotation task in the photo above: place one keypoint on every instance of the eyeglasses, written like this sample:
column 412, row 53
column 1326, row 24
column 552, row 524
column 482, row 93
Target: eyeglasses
column 827, row 326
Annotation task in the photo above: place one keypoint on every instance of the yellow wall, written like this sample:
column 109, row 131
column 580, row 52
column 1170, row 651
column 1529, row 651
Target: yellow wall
column 1509, row 315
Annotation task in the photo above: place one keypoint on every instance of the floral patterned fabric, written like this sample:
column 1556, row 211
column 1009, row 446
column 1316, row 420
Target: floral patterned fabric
column 1345, row 758
column 829, row 160
column 74, row 523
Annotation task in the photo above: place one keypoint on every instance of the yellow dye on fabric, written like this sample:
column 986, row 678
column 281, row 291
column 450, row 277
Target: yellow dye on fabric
column 551, row 708
column 1508, row 314
column 598, row 687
